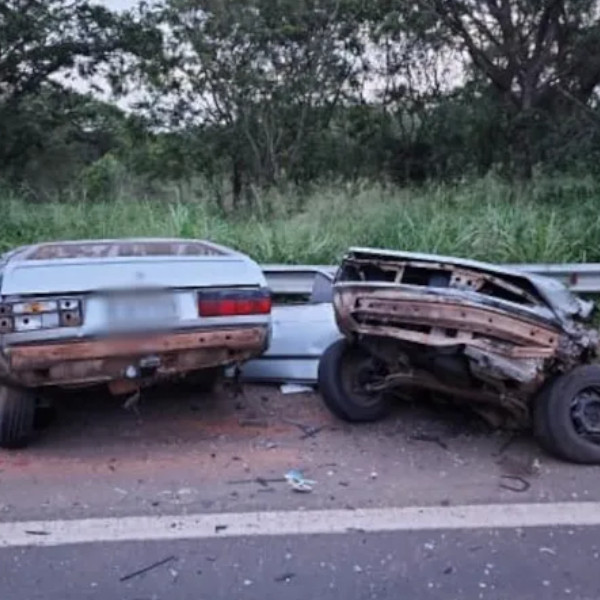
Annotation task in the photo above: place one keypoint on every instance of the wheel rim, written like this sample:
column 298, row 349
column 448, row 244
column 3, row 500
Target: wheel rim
column 585, row 414
column 359, row 371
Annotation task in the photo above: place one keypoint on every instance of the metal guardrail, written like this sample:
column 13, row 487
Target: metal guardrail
column 299, row 279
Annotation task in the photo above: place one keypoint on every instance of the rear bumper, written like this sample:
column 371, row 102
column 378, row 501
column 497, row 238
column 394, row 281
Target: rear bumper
column 161, row 355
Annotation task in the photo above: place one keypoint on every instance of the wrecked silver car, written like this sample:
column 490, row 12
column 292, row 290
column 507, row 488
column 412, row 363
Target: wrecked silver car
column 121, row 312
column 517, row 348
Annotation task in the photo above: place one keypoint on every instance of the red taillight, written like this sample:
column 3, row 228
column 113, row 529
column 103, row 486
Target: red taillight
column 234, row 303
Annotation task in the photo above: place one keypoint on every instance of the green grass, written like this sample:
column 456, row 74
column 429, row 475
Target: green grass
column 548, row 220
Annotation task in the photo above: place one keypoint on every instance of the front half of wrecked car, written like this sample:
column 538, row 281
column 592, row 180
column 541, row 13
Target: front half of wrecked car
column 475, row 333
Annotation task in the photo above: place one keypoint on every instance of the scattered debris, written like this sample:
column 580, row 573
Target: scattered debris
column 311, row 432
column 236, row 387
column 155, row 565
column 523, row 484
column 428, row 437
column 308, row 431
column 295, row 388
column 253, row 422
column 298, row 482
column 519, row 467
column 133, row 403
column 264, row 481
column 285, row 577
column 507, row 444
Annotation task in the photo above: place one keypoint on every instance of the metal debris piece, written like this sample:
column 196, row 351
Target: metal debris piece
column 511, row 465
column 522, row 484
column 263, row 481
column 133, row 402
column 308, row 431
column 428, row 437
column 298, row 482
column 155, row 565
column 285, row 577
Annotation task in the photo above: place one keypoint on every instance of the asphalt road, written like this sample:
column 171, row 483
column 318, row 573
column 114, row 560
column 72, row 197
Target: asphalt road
column 539, row 563
column 223, row 454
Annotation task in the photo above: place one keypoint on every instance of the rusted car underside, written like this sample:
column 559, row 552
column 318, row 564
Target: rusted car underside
column 481, row 334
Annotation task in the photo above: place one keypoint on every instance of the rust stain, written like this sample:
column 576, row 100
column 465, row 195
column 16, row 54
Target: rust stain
column 441, row 322
column 105, row 360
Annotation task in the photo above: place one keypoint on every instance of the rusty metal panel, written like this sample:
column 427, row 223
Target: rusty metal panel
column 113, row 370
column 410, row 309
column 43, row 355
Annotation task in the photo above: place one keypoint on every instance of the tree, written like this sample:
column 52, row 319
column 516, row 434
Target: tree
column 542, row 57
column 46, row 43
column 263, row 78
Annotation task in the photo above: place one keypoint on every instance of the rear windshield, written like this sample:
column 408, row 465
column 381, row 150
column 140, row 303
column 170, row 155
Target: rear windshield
column 121, row 249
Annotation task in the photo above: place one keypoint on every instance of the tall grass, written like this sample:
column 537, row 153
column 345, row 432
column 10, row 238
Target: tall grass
column 548, row 220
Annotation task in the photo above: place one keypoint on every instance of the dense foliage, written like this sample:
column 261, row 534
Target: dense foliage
column 248, row 95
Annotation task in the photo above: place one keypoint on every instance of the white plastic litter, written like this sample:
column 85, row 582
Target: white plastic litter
column 295, row 388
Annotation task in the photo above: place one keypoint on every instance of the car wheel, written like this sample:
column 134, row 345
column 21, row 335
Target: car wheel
column 540, row 426
column 567, row 416
column 345, row 370
column 17, row 413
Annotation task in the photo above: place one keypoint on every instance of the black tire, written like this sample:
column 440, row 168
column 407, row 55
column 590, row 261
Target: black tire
column 339, row 369
column 17, row 413
column 539, row 421
column 555, row 422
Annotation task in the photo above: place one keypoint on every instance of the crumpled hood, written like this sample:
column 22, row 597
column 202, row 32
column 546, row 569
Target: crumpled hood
column 559, row 298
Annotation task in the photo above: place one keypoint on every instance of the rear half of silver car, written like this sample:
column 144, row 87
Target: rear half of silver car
column 124, row 313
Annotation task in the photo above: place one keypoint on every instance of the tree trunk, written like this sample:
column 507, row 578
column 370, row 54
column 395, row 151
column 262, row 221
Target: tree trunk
column 236, row 182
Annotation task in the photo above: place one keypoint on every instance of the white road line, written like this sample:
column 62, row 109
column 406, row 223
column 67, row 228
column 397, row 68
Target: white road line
column 204, row 526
